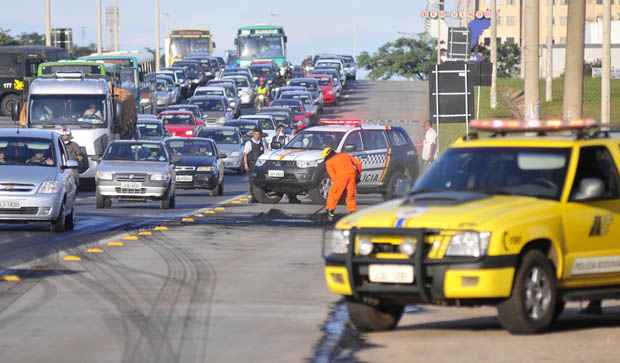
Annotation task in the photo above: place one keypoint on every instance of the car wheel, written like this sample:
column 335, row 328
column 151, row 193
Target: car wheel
column 319, row 194
column 167, row 200
column 102, row 202
column 264, row 197
column 70, row 221
column 59, row 225
column 395, row 185
column 532, row 305
column 7, row 101
column 379, row 317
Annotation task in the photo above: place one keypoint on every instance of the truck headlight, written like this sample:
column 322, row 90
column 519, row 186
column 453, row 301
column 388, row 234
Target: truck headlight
column 49, row 187
column 366, row 247
column 104, row 175
column 469, row 244
column 260, row 162
column 160, row 177
column 336, row 242
column 302, row 164
column 205, row 169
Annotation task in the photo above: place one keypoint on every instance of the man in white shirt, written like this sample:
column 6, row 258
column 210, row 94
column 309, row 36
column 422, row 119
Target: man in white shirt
column 429, row 147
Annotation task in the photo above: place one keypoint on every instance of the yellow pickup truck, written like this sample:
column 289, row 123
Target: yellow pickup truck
column 524, row 223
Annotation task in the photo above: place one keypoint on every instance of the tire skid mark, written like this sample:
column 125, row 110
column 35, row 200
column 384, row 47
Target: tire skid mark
column 13, row 294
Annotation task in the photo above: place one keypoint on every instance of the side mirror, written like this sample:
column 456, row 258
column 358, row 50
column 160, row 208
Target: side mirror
column 222, row 156
column 349, row 148
column 275, row 145
column 71, row 164
column 590, row 189
column 15, row 111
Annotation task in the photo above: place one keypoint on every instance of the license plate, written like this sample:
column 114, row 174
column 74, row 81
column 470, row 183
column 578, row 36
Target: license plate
column 185, row 178
column 131, row 185
column 276, row 173
column 394, row 274
column 10, row 204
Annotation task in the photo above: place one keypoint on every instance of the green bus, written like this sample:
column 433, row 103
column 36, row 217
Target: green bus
column 261, row 43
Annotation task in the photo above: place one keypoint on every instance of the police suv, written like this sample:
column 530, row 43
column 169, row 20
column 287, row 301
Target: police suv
column 388, row 156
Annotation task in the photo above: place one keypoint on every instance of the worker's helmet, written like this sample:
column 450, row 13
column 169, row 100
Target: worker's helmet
column 327, row 152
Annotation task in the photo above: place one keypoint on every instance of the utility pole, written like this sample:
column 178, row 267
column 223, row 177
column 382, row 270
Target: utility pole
column 573, row 74
column 549, row 49
column 606, row 65
column 531, row 50
column 99, row 29
column 48, row 22
column 522, row 36
column 157, row 36
column 493, row 100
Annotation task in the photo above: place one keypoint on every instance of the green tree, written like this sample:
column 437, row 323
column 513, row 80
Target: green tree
column 6, row 38
column 405, row 57
column 31, row 39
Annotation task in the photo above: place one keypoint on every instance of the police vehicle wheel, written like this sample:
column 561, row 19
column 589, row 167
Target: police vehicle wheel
column 532, row 305
column 319, row 194
column 7, row 101
column 379, row 317
column 261, row 196
column 59, row 225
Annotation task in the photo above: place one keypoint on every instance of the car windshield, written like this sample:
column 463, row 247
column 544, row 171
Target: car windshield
column 77, row 110
column 305, row 84
column 125, row 151
column 296, row 96
column 295, row 106
column 210, row 105
column 177, row 119
column 190, row 147
column 209, row 92
column 162, row 86
column 149, row 130
column 534, row 172
column 323, row 81
column 26, row 151
column 240, row 82
column 245, row 130
column 315, row 140
column 261, row 47
column 221, row 136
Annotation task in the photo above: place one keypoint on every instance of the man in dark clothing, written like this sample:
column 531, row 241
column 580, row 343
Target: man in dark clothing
column 252, row 150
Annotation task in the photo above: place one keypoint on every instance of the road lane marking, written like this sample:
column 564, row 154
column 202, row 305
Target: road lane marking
column 10, row 278
column 130, row 238
column 115, row 244
column 72, row 258
column 94, row 250
column 161, row 229
column 145, row 233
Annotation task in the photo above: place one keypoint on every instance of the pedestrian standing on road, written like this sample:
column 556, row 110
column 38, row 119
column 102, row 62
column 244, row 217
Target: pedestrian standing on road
column 344, row 171
column 252, row 150
column 429, row 146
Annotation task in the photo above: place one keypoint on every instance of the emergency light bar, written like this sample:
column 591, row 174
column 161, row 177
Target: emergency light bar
column 341, row 122
column 502, row 126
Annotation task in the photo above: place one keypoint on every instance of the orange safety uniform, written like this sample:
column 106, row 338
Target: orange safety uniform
column 342, row 169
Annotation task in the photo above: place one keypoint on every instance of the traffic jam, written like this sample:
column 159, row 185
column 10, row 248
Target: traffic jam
column 520, row 216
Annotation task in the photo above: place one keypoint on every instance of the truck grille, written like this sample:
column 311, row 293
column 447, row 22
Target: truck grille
column 16, row 188
column 281, row 164
column 140, row 178
column 20, row 211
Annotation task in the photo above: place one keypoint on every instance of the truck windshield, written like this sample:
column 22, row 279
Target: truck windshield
column 75, row 110
column 182, row 47
column 26, row 151
column 531, row 172
column 315, row 140
column 261, row 47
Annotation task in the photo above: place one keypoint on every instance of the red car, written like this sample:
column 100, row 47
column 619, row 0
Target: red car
column 326, row 82
column 180, row 123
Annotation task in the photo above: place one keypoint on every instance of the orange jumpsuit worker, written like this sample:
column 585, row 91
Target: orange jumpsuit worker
column 343, row 170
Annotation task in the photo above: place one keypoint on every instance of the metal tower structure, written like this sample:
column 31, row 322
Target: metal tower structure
column 113, row 25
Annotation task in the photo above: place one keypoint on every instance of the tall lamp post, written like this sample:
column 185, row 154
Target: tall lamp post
column 157, row 36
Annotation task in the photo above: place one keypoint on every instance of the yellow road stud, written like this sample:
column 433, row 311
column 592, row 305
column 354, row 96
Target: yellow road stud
column 160, row 228
column 236, row 202
column 72, row 258
column 130, row 238
column 115, row 244
column 94, row 250
column 10, row 278
column 187, row 220
column 145, row 233
column 219, row 209
column 209, row 212
column 199, row 215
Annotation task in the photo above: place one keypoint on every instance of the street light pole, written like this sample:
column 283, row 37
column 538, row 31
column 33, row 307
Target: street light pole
column 493, row 100
column 48, row 22
column 606, row 65
column 99, row 29
column 531, row 50
column 573, row 74
column 157, row 36
column 549, row 51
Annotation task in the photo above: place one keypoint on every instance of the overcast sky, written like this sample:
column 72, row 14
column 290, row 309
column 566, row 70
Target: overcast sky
column 312, row 26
